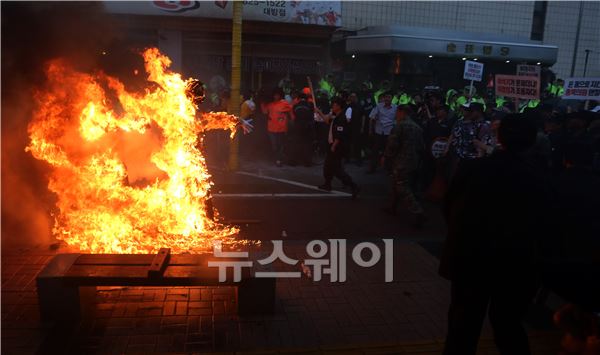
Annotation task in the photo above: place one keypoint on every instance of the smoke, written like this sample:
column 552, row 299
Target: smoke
column 32, row 34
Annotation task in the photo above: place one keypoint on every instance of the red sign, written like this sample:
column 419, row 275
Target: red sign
column 520, row 87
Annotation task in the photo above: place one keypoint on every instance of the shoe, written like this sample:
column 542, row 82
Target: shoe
column 355, row 191
column 325, row 187
column 419, row 221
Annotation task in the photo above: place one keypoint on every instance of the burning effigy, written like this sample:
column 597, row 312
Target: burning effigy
column 127, row 167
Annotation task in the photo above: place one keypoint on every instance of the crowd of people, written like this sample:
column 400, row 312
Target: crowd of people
column 520, row 186
column 419, row 139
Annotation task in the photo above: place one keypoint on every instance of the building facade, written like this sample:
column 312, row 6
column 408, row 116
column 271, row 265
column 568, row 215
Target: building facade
column 411, row 43
column 573, row 27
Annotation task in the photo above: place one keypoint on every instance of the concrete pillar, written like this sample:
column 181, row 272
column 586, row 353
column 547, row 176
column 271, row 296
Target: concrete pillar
column 170, row 43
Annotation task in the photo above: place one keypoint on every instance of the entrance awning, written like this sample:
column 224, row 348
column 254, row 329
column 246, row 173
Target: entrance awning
column 441, row 42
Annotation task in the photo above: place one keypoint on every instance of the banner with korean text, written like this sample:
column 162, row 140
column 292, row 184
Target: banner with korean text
column 520, row 87
column 582, row 89
column 473, row 71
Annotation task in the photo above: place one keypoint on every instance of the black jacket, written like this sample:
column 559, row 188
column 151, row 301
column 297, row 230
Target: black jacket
column 497, row 210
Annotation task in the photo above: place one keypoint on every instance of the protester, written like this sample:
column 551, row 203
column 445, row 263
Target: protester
column 248, row 106
column 492, row 144
column 357, row 127
column 436, row 134
column 248, row 143
column 383, row 117
column 405, row 151
column 338, row 143
column 472, row 126
column 322, row 128
column 496, row 209
column 278, row 113
column 301, row 132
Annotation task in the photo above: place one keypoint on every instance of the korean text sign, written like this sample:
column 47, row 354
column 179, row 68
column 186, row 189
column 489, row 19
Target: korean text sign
column 520, row 87
column 473, row 71
column 582, row 89
column 528, row 70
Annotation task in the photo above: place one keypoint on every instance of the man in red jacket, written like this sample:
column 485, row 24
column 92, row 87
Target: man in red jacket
column 278, row 113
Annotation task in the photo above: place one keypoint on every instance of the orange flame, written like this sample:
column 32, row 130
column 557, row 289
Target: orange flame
column 85, row 138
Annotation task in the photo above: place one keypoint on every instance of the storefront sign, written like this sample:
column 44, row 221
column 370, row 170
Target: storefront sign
column 518, row 87
column 582, row 89
column 477, row 49
column 324, row 13
column 473, row 71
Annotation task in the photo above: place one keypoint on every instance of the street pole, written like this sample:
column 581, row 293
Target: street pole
column 577, row 39
column 236, row 76
column 587, row 54
column 470, row 91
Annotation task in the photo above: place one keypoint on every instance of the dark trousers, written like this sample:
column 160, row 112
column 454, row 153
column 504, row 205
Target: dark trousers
column 508, row 303
column 357, row 147
column 404, row 189
column 277, row 144
column 333, row 167
column 379, row 143
column 300, row 149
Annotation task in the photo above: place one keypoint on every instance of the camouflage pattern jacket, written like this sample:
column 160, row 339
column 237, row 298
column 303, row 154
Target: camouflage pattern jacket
column 405, row 146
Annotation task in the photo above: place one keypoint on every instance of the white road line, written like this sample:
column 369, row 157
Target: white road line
column 295, row 183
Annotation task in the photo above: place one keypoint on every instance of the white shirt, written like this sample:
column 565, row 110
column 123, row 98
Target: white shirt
column 385, row 118
column 349, row 114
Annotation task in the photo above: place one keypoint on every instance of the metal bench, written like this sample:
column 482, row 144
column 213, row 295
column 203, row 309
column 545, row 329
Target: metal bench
column 67, row 285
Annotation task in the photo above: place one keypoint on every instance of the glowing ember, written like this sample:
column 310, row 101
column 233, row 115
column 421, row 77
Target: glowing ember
column 126, row 167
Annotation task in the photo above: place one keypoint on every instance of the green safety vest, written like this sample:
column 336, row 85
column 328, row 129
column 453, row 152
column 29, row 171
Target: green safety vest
column 449, row 94
column 460, row 101
column 377, row 94
column 556, row 90
column 530, row 104
column 500, row 101
column 328, row 88
column 481, row 101
column 404, row 99
column 533, row 103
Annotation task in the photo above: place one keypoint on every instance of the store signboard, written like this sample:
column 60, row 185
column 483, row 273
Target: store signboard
column 323, row 13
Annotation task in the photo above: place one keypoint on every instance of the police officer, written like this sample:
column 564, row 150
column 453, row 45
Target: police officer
column 405, row 149
column 338, row 140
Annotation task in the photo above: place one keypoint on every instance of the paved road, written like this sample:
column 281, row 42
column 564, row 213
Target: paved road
column 272, row 200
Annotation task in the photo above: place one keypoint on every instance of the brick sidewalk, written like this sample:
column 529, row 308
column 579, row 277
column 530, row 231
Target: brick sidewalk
column 364, row 315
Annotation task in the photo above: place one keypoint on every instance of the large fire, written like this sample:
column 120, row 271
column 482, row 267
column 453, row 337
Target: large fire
column 82, row 127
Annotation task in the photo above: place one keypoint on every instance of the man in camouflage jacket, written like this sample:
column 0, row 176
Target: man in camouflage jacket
column 405, row 149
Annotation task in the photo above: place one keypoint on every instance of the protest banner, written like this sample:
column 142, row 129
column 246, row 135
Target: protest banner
column 582, row 89
column 528, row 70
column 473, row 71
column 518, row 87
